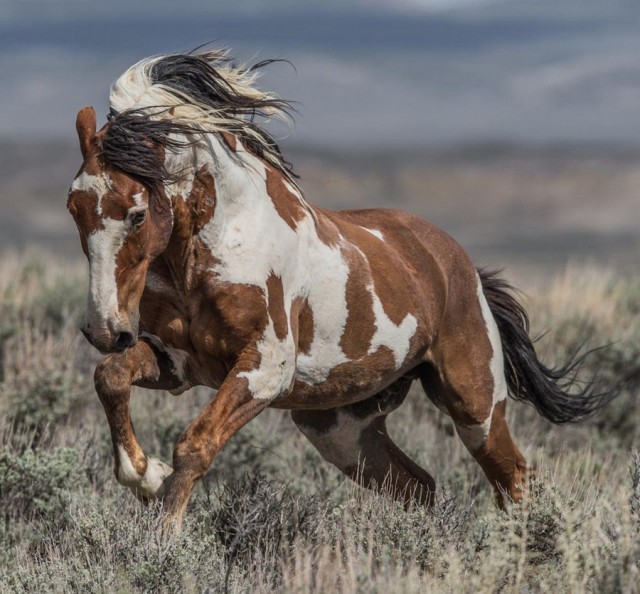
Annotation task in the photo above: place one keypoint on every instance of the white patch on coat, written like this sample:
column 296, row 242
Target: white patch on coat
column 340, row 444
column 277, row 366
column 396, row 338
column 474, row 436
column 326, row 286
column 99, row 184
column 150, row 484
column 251, row 241
column 179, row 161
column 291, row 187
column 375, row 233
column 138, row 199
column 497, row 358
column 103, row 246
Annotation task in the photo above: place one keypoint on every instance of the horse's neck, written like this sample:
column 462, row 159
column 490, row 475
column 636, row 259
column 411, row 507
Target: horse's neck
column 224, row 196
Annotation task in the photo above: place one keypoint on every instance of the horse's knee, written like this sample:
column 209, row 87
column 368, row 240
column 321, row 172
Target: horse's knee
column 192, row 457
column 111, row 376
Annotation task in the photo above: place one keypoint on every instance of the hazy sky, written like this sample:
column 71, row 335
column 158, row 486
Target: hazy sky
column 367, row 73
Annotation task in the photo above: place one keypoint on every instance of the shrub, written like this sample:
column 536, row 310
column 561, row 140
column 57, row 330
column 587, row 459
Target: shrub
column 37, row 484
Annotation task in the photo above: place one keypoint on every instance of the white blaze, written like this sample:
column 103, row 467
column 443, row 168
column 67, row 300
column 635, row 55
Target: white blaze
column 104, row 245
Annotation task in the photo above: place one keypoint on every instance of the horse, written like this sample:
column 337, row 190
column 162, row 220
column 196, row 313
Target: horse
column 207, row 267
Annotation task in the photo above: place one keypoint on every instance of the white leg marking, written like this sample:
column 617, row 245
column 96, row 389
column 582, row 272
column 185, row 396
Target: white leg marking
column 149, row 485
column 127, row 474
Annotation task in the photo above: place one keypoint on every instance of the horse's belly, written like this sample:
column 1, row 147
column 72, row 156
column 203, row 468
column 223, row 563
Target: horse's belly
column 321, row 384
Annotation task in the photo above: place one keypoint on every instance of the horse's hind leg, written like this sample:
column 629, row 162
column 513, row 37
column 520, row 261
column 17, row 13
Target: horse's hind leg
column 471, row 385
column 354, row 438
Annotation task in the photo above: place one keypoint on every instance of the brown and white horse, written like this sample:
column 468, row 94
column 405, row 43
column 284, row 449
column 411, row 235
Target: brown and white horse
column 208, row 267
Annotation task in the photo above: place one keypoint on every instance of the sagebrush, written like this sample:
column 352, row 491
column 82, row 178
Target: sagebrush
column 271, row 515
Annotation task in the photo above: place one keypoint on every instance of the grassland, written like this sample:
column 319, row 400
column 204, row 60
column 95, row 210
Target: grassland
column 271, row 515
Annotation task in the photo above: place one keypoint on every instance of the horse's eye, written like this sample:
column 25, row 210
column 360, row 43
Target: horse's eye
column 137, row 218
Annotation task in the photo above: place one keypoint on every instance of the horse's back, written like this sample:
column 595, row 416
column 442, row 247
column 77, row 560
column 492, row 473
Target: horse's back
column 426, row 253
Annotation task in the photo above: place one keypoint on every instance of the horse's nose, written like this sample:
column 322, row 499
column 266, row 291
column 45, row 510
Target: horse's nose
column 85, row 331
column 123, row 341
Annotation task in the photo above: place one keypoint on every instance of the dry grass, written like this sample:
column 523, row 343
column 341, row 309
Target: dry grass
column 271, row 516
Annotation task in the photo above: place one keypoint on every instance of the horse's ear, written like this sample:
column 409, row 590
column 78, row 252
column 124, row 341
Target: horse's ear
column 86, row 128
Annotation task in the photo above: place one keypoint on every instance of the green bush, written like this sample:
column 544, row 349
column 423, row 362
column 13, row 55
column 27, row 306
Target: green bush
column 37, row 484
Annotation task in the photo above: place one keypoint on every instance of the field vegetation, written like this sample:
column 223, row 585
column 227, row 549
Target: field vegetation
column 271, row 515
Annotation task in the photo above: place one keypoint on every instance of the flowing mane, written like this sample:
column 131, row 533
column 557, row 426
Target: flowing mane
column 169, row 101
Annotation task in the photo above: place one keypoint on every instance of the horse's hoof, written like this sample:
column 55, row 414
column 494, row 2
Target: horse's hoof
column 153, row 483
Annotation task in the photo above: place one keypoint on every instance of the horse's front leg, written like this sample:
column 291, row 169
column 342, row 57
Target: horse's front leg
column 147, row 365
column 261, row 374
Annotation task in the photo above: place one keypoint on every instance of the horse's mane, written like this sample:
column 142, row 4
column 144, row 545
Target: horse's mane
column 168, row 102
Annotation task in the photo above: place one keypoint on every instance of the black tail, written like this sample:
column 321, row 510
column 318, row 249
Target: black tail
column 547, row 389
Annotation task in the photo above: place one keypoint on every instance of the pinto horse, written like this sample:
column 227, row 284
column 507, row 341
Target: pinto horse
column 208, row 267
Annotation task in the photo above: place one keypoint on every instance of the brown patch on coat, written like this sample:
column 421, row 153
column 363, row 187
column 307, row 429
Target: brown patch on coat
column 286, row 203
column 86, row 129
column 326, row 229
column 275, row 301
column 202, row 199
column 388, row 271
column 230, row 140
column 229, row 319
column 501, row 459
column 463, row 358
column 302, row 326
column 360, row 326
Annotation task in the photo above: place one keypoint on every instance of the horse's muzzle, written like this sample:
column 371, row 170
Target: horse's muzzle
column 118, row 342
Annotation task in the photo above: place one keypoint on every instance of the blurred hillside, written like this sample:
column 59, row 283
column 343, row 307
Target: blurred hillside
column 526, row 209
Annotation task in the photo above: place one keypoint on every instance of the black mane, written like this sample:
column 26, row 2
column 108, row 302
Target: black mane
column 135, row 140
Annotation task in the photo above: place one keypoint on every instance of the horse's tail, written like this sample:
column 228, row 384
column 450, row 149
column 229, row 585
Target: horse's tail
column 528, row 379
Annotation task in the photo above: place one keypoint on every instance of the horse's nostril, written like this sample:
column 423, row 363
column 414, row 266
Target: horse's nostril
column 85, row 332
column 123, row 341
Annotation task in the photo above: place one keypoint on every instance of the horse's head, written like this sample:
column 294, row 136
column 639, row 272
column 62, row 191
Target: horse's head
column 122, row 229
